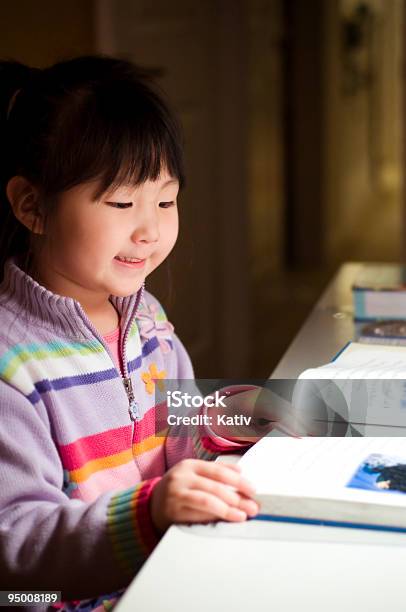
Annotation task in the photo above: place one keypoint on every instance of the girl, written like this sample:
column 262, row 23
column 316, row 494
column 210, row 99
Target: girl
column 90, row 172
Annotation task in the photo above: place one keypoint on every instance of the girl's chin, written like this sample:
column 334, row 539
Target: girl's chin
column 126, row 289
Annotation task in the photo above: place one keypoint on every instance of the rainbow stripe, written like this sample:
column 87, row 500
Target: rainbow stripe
column 126, row 513
column 112, row 452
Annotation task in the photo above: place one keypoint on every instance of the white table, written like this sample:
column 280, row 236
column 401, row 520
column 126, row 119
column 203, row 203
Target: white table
column 262, row 565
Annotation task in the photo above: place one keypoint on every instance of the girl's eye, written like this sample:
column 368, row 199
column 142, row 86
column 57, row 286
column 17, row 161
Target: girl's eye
column 166, row 204
column 120, row 204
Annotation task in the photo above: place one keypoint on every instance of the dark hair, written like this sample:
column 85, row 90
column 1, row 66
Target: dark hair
column 83, row 119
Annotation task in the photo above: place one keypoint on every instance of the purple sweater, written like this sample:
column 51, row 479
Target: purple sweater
column 79, row 457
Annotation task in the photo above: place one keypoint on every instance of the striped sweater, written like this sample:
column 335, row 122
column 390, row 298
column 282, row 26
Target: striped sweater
column 79, row 457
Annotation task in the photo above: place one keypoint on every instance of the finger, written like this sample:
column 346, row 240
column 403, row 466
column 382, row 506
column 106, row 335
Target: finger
column 223, row 474
column 249, row 506
column 208, row 503
column 273, row 406
column 287, row 429
column 191, row 515
column 234, row 466
column 227, row 494
column 275, row 409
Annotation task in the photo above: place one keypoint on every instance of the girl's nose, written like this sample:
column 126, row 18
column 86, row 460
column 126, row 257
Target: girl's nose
column 147, row 229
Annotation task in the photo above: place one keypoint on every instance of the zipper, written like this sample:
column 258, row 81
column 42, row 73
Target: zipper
column 133, row 407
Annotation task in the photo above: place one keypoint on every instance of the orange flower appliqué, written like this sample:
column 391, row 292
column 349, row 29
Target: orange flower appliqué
column 153, row 377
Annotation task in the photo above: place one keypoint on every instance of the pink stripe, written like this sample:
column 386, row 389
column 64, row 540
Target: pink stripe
column 211, row 445
column 152, row 422
column 118, row 478
column 143, row 518
column 217, row 444
column 152, row 462
column 76, row 454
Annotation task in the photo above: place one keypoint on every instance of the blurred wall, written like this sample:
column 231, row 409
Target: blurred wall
column 39, row 33
column 266, row 136
column 364, row 164
column 249, row 77
column 200, row 51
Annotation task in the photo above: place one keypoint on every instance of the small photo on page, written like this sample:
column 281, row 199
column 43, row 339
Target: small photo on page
column 381, row 473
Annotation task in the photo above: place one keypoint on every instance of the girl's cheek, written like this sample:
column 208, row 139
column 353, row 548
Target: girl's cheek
column 171, row 231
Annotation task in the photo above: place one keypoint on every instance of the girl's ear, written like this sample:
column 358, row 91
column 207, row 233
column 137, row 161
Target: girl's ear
column 24, row 199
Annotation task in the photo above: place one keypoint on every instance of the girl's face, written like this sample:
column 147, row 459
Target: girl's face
column 86, row 238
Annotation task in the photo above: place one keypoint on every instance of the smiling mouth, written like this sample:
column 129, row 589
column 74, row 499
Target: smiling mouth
column 130, row 262
column 128, row 259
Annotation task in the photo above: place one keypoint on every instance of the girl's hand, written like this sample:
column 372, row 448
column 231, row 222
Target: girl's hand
column 196, row 491
column 265, row 412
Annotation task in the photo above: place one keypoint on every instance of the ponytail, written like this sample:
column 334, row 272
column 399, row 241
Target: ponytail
column 14, row 237
column 13, row 77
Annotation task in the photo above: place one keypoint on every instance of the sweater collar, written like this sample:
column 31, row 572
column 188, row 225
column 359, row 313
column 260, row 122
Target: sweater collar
column 40, row 307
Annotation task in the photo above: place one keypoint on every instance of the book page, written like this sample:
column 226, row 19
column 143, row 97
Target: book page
column 320, row 467
column 372, row 380
column 364, row 361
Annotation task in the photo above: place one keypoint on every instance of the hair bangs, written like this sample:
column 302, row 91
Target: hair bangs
column 136, row 154
column 127, row 136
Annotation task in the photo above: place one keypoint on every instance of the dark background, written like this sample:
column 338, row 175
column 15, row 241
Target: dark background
column 293, row 118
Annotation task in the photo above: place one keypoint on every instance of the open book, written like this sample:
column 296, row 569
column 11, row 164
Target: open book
column 365, row 385
column 352, row 482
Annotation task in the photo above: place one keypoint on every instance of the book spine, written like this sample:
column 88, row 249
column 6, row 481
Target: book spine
column 327, row 523
column 370, row 306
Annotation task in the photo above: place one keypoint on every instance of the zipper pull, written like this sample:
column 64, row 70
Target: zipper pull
column 134, row 411
column 133, row 408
